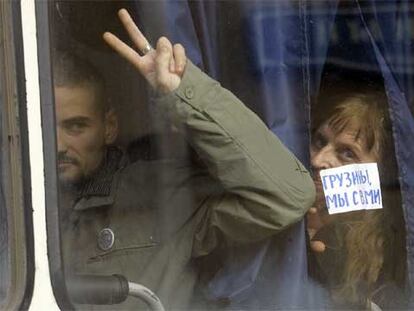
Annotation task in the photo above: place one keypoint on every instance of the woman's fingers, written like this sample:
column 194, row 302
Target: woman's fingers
column 134, row 33
column 314, row 224
column 312, row 232
column 123, row 49
column 317, row 246
column 313, row 211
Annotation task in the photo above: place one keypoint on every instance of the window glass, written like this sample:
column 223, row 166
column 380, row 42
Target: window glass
column 208, row 199
column 16, row 271
column 4, row 262
column 4, row 245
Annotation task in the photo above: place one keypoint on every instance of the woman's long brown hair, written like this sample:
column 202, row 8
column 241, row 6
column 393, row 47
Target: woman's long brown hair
column 374, row 240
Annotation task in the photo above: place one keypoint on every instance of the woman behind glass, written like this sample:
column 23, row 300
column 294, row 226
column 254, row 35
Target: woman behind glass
column 359, row 257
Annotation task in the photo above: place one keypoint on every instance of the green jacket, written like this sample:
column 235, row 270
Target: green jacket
column 165, row 214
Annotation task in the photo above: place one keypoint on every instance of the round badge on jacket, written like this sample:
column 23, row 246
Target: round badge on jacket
column 106, row 239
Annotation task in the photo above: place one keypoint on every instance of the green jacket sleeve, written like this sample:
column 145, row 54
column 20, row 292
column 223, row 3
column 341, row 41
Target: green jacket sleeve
column 266, row 187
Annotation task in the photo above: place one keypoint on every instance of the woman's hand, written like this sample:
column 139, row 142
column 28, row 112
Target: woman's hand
column 316, row 219
column 162, row 67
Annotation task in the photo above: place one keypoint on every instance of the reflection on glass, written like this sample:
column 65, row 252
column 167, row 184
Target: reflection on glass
column 166, row 223
column 134, row 183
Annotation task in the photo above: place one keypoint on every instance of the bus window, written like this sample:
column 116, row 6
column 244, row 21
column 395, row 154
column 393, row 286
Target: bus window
column 160, row 177
column 3, row 254
column 149, row 172
column 16, row 255
column 358, row 254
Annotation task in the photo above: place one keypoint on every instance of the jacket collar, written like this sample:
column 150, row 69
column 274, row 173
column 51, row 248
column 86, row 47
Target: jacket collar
column 98, row 189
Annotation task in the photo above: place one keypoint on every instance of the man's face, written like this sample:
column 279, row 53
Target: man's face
column 329, row 150
column 83, row 131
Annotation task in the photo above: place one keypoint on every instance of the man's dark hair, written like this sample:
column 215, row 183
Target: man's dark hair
column 70, row 70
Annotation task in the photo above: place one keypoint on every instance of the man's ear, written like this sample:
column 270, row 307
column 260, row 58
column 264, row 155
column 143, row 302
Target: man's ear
column 111, row 127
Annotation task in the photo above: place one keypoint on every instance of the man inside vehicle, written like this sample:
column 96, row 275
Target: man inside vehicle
column 151, row 221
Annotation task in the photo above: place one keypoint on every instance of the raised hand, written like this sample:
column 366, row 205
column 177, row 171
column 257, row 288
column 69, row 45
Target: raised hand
column 162, row 67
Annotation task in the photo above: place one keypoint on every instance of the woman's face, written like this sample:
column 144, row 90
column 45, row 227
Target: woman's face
column 330, row 149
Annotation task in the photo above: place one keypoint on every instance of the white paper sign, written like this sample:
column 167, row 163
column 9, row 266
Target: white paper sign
column 352, row 187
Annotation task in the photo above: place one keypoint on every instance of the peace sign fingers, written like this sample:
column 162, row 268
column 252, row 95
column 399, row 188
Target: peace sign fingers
column 145, row 63
column 162, row 67
column 134, row 33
